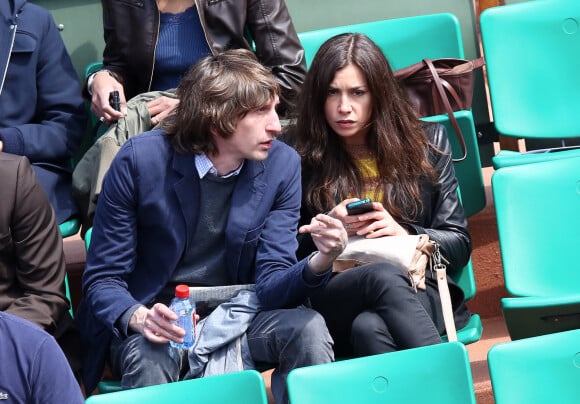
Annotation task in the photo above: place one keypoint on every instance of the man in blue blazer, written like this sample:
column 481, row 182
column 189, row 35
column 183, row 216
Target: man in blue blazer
column 212, row 199
column 42, row 113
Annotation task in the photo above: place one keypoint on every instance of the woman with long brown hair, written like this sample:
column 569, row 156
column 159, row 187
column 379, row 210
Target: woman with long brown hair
column 359, row 137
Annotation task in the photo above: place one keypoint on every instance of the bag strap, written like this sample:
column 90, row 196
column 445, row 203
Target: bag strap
column 444, row 295
column 448, row 108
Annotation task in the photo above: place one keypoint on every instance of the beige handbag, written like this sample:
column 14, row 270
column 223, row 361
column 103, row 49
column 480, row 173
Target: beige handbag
column 411, row 254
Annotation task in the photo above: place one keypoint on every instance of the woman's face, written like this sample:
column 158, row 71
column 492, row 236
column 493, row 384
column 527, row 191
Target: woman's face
column 348, row 106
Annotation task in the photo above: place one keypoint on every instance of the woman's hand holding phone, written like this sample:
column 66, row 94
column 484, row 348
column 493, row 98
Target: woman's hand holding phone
column 359, row 207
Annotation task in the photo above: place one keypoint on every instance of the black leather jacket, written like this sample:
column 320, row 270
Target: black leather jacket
column 443, row 218
column 131, row 29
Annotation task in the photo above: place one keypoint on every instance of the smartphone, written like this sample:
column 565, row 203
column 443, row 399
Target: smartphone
column 358, row 207
column 115, row 100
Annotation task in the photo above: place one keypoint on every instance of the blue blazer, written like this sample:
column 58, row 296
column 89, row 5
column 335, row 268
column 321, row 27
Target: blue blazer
column 146, row 219
column 42, row 113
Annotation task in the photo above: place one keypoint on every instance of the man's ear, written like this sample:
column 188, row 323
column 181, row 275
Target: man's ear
column 213, row 131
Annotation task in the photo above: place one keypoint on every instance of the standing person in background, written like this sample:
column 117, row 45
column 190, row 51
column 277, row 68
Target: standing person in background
column 359, row 138
column 150, row 44
column 42, row 113
column 32, row 266
column 34, row 370
column 211, row 199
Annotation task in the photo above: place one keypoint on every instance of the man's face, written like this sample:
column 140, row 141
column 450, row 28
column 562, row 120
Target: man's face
column 254, row 134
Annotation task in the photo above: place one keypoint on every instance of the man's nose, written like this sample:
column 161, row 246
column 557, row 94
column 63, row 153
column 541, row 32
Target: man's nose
column 274, row 124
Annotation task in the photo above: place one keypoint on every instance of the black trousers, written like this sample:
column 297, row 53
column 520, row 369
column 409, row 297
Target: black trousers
column 372, row 309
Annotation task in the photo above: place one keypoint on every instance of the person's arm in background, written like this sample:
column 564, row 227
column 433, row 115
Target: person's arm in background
column 52, row 379
column 47, row 120
column 38, row 261
column 277, row 46
column 116, row 74
column 281, row 280
column 34, row 370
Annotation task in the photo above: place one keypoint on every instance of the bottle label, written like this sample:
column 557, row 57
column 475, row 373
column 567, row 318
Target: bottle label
column 186, row 320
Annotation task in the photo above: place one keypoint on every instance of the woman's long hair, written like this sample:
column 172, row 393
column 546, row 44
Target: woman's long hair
column 400, row 146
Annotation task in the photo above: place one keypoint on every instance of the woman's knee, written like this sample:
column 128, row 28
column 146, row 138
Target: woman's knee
column 370, row 335
column 368, row 322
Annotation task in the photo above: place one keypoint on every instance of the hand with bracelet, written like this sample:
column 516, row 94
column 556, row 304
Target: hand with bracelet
column 100, row 86
column 102, row 83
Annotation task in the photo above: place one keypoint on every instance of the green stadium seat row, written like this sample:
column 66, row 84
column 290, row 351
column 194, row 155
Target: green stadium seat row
column 532, row 59
column 238, row 387
column 534, row 370
column 536, row 195
column 538, row 217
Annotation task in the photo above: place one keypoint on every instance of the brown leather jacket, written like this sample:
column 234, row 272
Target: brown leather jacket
column 32, row 262
column 131, row 30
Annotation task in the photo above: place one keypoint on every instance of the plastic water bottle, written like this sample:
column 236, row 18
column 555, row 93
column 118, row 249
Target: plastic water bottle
column 185, row 310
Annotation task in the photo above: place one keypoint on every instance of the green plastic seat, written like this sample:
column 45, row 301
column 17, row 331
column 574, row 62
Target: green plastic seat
column 468, row 172
column 88, row 234
column 238, row 387
column 403, row 40
column 465, row 279
column 538, row 217
column 406, row 41
column 70, row 227
column 67, row 293
column 532, row 62
column 537, row 370
column 432, row 374
column 472, row 331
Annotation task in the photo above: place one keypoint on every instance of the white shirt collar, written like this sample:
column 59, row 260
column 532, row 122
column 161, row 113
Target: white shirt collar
column 205, row 166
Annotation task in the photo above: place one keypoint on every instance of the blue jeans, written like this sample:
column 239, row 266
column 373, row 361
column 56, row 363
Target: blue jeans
column 288, row 338
column 372, row 309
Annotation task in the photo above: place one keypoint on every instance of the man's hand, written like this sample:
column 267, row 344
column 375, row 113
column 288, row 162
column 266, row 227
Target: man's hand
column 156, row 325
column 330, row 238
